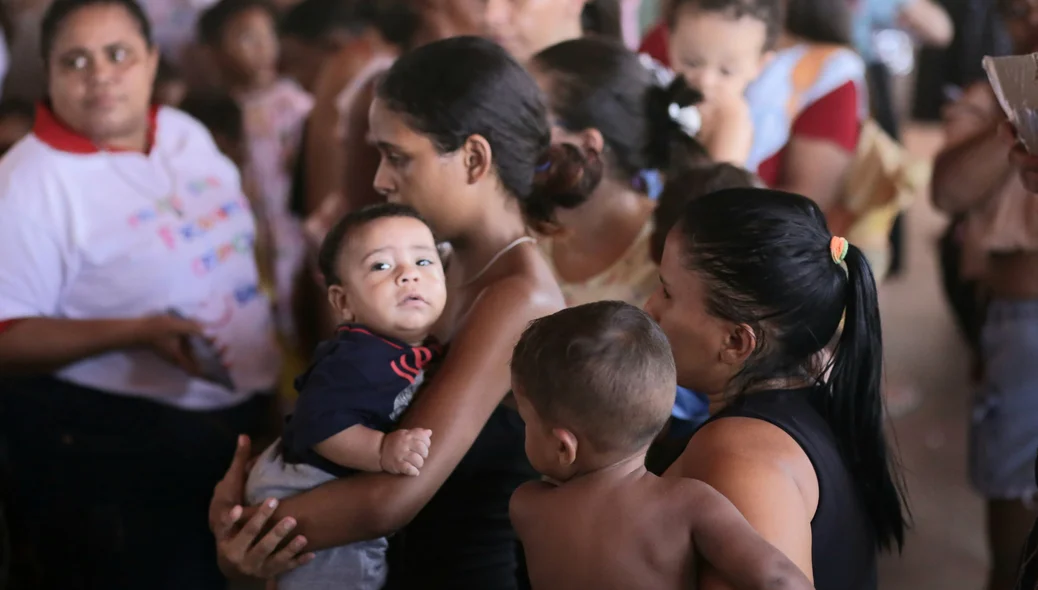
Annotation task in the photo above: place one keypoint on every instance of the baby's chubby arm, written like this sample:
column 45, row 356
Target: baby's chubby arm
column 724, row 538
column 359, row 447
column 730, row 134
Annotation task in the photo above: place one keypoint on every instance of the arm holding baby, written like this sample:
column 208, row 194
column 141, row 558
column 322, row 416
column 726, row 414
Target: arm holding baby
column 342, row 417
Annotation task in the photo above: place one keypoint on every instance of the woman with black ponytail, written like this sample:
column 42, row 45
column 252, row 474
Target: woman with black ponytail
column 754, row 287
column 632, row 122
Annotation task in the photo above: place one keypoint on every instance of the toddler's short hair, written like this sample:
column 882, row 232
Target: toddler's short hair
column 603, row 370
column 338, row 237
column 769, row 12
column 689, row 185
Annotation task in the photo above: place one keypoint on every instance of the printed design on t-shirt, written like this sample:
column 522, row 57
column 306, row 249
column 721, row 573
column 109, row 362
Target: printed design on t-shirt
column 198, row 187
column 412, row 360
column 178, row 227
column 163, row 207
column 241, row 296
column 410, row 369
column 201, row 225
column 403, row 399
column 241, row 244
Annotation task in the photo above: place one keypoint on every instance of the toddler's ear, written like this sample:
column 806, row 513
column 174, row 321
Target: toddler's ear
column 340, row 302
column 566, row 447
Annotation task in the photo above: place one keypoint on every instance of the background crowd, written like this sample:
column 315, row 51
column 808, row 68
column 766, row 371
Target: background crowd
column 171, row 168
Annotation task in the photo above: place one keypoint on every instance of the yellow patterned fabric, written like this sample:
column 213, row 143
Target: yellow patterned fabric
column 632, row 278
column 882, row 181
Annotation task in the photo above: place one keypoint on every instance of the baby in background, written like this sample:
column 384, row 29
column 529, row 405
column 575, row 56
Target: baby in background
column 595, row 384
column 720, row 46
column 386, row 281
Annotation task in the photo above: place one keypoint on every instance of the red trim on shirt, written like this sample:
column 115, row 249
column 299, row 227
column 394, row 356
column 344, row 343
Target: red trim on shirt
column 655, row 44
column 6, row 324
column 347, row 328
column 49, row 129
column 832, row 118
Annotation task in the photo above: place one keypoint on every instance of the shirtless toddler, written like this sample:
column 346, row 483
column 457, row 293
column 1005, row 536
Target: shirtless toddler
column 595, row 384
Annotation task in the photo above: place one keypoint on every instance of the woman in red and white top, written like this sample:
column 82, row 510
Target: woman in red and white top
column 126, row 243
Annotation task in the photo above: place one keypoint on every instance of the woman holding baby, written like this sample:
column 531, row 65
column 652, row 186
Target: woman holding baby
column 754, row 286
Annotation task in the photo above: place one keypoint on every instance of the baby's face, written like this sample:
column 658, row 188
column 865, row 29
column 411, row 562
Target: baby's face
column 718, row 55
column 392, row 279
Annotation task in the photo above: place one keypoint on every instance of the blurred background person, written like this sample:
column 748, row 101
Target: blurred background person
column 127, row 279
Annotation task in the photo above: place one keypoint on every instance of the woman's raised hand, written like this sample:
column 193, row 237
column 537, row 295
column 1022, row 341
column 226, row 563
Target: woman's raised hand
column 245, row 550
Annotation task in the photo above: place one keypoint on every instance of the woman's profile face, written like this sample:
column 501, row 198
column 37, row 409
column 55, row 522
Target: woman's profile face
column 412, row 171
column 100, row 72
column 696, row 337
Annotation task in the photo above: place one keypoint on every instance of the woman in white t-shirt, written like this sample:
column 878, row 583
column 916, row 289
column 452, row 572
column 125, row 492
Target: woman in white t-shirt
column 127, row 246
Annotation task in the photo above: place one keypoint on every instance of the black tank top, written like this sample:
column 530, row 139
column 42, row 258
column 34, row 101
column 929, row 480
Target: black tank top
column 843, row 542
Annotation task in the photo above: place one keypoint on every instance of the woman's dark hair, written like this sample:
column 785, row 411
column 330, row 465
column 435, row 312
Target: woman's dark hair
column 602, row 17
column 819, row 21
column 167, row 72
column 214, row 21
column 334, row 242
column 764, row 258
column 61, row 10
column 13, row 107
column 315, row 21
column 692, row 184
column 396, row 20
column 597, row 83
column 220, row 114
column 453, row 89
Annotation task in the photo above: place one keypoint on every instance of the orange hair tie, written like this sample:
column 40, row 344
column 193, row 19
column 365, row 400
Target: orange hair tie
column 838, row 249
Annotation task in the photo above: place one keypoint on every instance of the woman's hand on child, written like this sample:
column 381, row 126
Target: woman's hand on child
column 239, row 552
column 404, row 451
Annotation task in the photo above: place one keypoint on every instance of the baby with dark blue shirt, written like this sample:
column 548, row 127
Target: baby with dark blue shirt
column 386, row 281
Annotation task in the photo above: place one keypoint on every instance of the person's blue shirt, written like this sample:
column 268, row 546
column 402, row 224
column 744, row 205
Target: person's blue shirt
column 871, row 16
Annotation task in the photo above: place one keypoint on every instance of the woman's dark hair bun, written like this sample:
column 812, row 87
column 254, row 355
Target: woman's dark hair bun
column 565, row 177
column 672, row 148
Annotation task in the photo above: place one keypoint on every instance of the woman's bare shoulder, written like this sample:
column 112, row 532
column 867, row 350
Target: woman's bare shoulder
column 527, row 288
column 749, row 443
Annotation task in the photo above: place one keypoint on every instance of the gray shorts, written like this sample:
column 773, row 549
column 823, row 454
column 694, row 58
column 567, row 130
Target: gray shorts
column 358, row 566
column 1004, row 422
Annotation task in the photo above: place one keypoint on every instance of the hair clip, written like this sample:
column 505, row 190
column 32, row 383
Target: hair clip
column 838, row 249
column 543, row 167
column 663, row 75
column 688, row 118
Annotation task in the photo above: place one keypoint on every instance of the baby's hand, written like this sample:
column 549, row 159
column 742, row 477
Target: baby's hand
column 405, row 451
